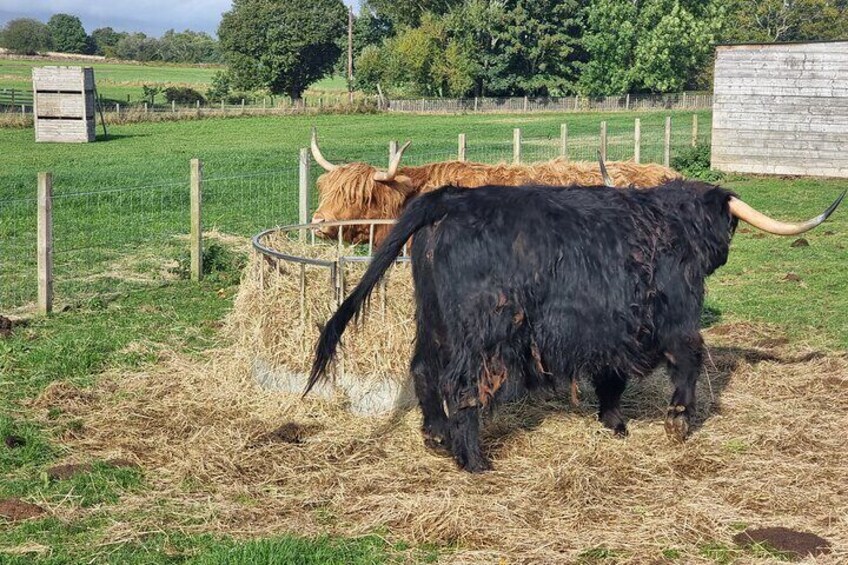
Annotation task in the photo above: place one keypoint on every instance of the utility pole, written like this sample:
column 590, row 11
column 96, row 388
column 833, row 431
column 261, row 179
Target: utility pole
column 350, row 55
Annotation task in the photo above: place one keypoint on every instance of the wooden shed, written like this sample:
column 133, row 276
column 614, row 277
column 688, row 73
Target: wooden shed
column 63, row 104
column 781, row 108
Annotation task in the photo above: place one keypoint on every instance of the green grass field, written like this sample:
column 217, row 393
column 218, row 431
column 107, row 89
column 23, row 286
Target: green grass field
column 250, row 167
column 123, row 81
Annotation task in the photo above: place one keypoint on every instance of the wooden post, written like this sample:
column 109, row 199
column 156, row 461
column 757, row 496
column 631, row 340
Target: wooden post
column 604, row 140
column 516, row 145
column 461, row 149
column 173, row 105
column 196, row 224
column 637, row 141
column 475, row 104
column 694, row 130
column 242, row 105
column 222, row 104
column 525, row 103
column 45, row 243
column 563, row 140
column 118, row 109
column 145, row 107
column 627, row 102
column 667, row 142
column 303, row 189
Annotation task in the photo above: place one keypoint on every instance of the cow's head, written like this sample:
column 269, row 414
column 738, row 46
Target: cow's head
column 357, row 191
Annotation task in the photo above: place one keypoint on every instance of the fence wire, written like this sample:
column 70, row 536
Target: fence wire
column 121, row 238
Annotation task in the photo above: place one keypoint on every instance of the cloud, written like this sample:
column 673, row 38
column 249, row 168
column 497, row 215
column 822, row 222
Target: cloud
column 153, row 17
column 150, row 16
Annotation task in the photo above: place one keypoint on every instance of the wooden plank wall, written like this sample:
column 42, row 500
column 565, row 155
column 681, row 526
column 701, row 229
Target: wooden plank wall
column 781, row 109
column 63, row 103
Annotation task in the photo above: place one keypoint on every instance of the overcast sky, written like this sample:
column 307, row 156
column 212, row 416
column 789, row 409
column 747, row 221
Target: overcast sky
column 152, row 17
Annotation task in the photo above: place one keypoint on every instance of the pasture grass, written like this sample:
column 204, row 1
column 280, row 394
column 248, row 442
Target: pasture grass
column 122, row 81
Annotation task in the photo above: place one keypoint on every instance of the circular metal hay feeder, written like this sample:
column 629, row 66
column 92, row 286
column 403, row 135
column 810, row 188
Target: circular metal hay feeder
column 293, row 284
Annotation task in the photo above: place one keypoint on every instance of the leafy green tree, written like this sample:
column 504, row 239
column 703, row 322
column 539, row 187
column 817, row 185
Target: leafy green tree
column 25, row 36
column 188, row 47
column 68, row 34
column 370, row 69
column 281, row 45
column 410, row 12
column 105, row 39
column 536, row 45
column 786, row 20
column 674, row 44
column 609, row 42
column 137, row 47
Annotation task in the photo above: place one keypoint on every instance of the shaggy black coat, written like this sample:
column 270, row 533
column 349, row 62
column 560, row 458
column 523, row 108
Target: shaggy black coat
column 521, row 288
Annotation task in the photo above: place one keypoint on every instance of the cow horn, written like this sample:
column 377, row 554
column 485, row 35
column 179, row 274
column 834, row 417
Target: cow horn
column 316, row 153
column 393, row 166
column 604, row 173
column 770, row 225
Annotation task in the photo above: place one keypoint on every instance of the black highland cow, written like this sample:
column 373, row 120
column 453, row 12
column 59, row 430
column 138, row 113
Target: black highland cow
column 517, row 289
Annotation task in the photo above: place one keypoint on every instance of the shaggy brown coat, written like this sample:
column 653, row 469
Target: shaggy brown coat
column 350, row 192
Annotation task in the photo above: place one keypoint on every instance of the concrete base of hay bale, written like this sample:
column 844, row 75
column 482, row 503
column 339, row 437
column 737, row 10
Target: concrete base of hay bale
column 363, row 398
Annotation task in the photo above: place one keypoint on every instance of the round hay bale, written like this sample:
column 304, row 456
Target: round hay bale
column 291, row 287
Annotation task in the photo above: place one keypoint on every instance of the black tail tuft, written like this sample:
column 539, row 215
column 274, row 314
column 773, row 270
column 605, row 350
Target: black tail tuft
column 422, row 211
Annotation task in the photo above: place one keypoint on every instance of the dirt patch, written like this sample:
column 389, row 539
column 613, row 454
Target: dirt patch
column 71, row 470
column 792, row 543
column 7, row 325
column 290, row 432
column 792, row 277
column 800, row 242
column 13, row 441
column 15, row 509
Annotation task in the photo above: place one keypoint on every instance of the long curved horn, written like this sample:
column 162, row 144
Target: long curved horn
column 770, row 225
column 316, row 153
column 604, row 173
column 393, row 166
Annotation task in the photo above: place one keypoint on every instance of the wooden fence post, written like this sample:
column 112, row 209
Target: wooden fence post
column 563, row 140
column 460, row 155
column 475, row 104
column 667, row 142
column 604, row 140
column 45, row 243
column 516, row 145
column 627, row 102
column 694, row 130
column 525, row 103
column 196, row 223
column 637, row 141
column 303, row 190
column 173, row 105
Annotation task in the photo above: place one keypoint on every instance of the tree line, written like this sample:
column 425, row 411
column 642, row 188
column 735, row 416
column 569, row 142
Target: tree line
column 65, row 33
column 460, row 48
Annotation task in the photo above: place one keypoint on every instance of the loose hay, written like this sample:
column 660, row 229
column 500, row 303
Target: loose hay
column 222, row 455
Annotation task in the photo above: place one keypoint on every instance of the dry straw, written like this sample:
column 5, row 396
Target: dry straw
column 770, row 451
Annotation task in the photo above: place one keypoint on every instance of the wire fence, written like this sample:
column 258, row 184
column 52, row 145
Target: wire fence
column 121, row 238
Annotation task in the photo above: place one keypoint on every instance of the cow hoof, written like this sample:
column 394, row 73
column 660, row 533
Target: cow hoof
column 677, row 423
column 476, row 465
column 615, row 422
column 436, row 444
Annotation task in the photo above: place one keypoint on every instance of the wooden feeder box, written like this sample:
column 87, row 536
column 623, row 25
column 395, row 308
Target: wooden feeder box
column 63, row 104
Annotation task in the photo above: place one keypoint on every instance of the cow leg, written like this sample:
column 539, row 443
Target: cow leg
column 465, row 440
column 685, row 358
column 463, row 407
column 609, row 386
column 425, row 375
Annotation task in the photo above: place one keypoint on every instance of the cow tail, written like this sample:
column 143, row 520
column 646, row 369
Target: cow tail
column 422, row 211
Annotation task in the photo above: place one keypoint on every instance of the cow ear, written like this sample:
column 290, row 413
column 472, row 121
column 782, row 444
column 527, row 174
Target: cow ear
column 403, row 184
